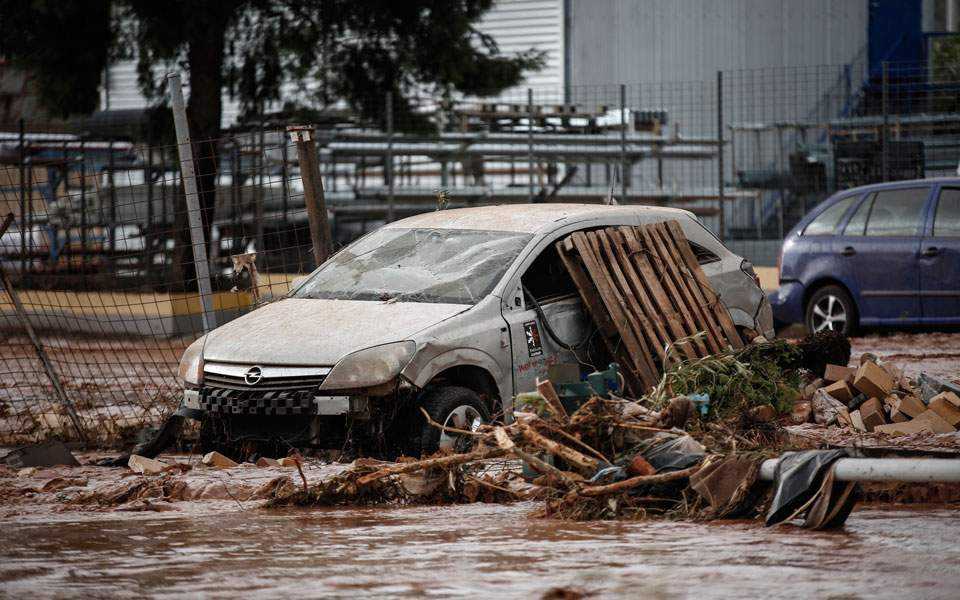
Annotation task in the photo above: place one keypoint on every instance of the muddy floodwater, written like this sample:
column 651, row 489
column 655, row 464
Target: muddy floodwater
column 475, row 550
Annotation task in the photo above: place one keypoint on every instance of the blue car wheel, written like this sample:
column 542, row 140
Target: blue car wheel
column 831, row 309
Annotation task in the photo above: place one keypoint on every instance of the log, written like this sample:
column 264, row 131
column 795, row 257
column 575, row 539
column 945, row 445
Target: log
column 626, row 484
column 432, row 463
column 550, row 395
column 569, row 455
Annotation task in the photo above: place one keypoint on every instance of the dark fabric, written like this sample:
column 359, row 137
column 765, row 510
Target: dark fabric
column 48, row 454
column 835, row 500
column 671, row 452
column 797, row 479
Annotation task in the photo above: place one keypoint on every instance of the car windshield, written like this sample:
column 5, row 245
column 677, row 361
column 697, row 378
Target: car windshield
column 455, row 266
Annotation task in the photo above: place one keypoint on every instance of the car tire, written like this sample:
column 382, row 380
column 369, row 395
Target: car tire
column 453, row 406
column 831, row 309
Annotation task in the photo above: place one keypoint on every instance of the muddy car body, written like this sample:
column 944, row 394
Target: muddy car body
column 443, row 310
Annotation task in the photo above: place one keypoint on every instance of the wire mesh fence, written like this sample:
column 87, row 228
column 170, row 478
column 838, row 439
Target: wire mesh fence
column 99, row 253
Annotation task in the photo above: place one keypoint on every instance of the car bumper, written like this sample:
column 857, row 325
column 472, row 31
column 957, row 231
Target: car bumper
column 787, row 303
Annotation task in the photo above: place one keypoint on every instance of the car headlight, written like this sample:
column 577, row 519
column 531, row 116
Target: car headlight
column 191, row 364
column 370, row 366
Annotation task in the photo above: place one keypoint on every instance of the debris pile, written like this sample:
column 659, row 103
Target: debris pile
column 876, row 397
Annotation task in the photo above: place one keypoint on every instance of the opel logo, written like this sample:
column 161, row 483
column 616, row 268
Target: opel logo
column 253, row 376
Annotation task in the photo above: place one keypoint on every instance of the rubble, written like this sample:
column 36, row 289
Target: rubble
column 219, row 461
column 146, row 466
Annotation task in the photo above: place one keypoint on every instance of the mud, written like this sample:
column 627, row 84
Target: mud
column 936, row 353
column 474, row 550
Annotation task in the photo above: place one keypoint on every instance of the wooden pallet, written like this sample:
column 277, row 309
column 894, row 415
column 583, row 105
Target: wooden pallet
column 644, row 289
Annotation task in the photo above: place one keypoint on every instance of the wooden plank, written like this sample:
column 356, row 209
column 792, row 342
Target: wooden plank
column 684, row 305
column 658, row 295
column 654, row 329
column 635, row 345
column 598, row 311
column 723, row 315
column 689, row 288
column 641, row 325
column 613, row 303
column 588, row 292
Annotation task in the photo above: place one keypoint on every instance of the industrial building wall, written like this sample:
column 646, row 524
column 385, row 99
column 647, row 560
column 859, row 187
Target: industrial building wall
column 684, row 40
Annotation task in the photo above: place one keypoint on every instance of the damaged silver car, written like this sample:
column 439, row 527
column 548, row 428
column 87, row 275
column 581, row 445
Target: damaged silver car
column 450, row 312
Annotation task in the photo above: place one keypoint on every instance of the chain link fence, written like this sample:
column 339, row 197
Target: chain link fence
column 98, row 255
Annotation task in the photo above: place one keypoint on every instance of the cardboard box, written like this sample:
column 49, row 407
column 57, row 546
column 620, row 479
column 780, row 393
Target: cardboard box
column 873, row 381
column 908, row 428
column 936, row 422
column 911, row 406
column 949, row 397
column 872, row 414
column 836, row 373
column 839, row 390
column 947, row 411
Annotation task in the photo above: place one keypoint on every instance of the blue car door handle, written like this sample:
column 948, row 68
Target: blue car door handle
column 931, row 251
column 848, row 251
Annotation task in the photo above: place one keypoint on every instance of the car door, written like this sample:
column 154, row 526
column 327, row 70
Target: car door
column 939, row 260
column 878, row 250
column 545, row 318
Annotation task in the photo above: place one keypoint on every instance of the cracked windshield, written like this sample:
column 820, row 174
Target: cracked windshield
column 452, row 266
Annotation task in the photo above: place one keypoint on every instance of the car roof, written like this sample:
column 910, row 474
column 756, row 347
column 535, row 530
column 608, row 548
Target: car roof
column 901, row 183
column 526, row 218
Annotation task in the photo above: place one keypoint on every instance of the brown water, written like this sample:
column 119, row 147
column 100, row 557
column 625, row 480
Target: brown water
column 475, row 550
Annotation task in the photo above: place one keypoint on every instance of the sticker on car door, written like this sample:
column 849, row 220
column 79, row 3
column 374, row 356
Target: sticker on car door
column 534, row 346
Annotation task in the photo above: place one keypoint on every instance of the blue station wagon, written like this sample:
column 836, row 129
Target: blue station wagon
column 878, row 255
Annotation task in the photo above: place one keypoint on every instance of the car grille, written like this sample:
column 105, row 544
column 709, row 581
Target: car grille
column 280, row 390
column 266, row 384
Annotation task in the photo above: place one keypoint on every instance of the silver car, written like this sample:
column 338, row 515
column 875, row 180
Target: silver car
column 454, row 311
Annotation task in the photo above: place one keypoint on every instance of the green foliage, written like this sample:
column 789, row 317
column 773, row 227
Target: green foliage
column 735, row 381
column 64, row 46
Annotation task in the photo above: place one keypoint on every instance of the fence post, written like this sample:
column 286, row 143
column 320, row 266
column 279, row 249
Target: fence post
column 884, row 165
column 623, row 143
column 530, row 144
column 720, row 187
column 23, row 199
column 304, row 136
column 388, row 159
column 189, row 177
column 37, row 345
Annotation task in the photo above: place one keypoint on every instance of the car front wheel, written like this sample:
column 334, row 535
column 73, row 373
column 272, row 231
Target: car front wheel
column 455, row 407
column 831, row 309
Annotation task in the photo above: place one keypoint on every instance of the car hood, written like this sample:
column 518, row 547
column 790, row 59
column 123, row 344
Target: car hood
column 299, row 331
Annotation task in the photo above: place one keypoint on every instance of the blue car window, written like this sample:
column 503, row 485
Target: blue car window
column 857, row 224
column 946, row 221
column 826, row 222
column 897, row 212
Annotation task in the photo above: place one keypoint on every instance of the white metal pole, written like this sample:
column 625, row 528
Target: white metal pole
column 189, row 175
column 906, row 470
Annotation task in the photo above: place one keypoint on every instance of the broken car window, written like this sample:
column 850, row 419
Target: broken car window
column 456, row 266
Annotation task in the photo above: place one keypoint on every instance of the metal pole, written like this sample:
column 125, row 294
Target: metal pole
column 189, row 176
column 312, row 191
column 259, row 191
column 720, row 187
column 623, row 143
column 23, row 199
column 783, row 192
column 113, row 200
column 37, row 345
column 906, row 470
column 886, row 121
column 388, row 159
column 83, row 203
column 530, row 144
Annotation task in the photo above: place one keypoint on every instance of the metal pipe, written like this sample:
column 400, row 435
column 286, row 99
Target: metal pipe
column 388, row 160
column 623, row 143
column 189, row 176
column 905, row 470
column 530, row 144
column 720, row 191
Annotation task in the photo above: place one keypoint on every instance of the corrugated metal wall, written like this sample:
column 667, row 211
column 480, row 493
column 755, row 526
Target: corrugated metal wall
column 684, row 40
column 518, row 25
